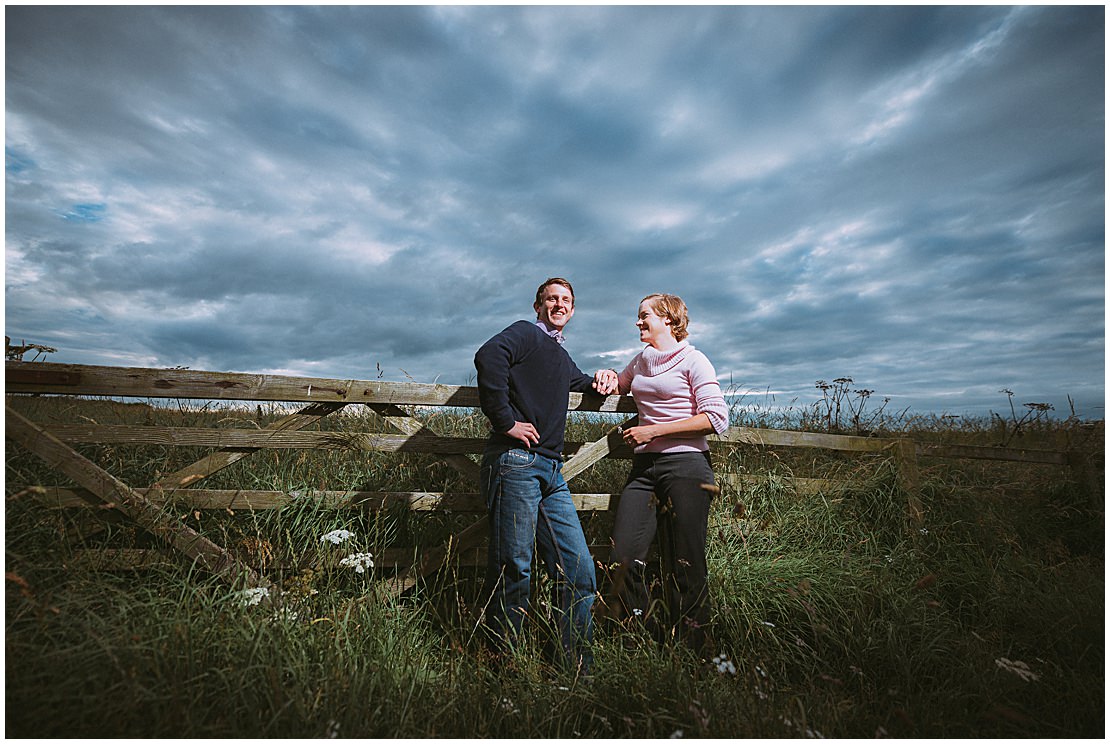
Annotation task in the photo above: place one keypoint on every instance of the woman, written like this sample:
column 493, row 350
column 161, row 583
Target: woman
column 671, row 483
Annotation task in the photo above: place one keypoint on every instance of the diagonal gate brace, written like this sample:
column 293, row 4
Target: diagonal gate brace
column 119, row 495
column 216, row 461
column 434, row 559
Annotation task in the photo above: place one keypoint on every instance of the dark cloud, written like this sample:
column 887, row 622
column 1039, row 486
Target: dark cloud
column 911, row 197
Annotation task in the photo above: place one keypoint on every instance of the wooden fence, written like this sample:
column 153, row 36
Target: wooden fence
column 324, row 397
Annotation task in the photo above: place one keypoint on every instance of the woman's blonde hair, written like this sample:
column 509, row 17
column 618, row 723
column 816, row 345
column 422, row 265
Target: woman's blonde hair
column 673, row 309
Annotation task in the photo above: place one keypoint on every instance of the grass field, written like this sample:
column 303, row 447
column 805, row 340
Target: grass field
column 834, row 616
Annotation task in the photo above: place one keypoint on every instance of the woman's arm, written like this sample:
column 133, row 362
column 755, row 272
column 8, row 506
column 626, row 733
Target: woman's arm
column 693, row 426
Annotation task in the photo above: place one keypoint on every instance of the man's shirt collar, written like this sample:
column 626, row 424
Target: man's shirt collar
column 555, row 333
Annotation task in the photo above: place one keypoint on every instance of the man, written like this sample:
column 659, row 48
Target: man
column 525, row 378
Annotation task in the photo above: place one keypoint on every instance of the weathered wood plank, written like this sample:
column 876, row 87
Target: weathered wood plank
column 246, row 441
column 389, row 559
column 32, row 375
column 142, row 382
column 248, row 500
column 400, row 420
column 254, row 439
column 801, row 486
column 1009, row 454
column 421, row 440
column 117, row 493
column 596, row 451
column 784, row 438
column 217, row 461
column 909, row 478
column 436, row 558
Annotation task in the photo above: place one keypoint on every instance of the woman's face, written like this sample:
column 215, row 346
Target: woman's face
column 653, row 328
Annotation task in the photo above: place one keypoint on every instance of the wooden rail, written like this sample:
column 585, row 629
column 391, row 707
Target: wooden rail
column 140, row 382
column 324, row 397
column 119, row 495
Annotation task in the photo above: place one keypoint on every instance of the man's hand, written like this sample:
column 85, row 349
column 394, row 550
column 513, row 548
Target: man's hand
column 524, row 432
column 605, row 381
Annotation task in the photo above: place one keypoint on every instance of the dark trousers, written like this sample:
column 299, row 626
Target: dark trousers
column 666, row 495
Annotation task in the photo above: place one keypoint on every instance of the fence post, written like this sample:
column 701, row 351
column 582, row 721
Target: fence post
column 909, row 478
column 1081, row 471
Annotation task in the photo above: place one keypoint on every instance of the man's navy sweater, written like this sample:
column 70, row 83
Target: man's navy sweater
column 525, row 375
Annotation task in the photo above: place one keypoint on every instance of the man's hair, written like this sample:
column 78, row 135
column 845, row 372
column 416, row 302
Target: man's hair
column 549, row 282
column 673, row 309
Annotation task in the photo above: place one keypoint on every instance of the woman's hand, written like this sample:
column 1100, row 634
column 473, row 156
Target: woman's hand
column 637, row 435
column 694, row 426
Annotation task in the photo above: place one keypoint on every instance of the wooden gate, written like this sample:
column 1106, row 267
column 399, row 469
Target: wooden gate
column 325, row 397
column 322, row 397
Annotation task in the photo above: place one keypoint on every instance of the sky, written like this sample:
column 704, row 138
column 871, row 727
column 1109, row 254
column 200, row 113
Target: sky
column 909, row 197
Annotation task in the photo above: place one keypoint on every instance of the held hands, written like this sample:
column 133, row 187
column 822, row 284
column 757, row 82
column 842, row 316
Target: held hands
column 605, row 381
column 524, row 432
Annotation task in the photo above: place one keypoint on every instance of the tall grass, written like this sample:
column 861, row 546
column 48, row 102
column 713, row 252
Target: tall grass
column 834, row 616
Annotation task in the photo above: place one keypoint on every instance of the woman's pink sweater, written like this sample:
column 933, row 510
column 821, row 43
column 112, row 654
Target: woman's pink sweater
column 673, row 385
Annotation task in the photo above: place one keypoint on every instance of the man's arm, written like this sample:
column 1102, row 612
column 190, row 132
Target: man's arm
column 492, row 361
column 580, row 382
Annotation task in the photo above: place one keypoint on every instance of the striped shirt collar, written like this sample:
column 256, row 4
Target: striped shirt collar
column 555, row 333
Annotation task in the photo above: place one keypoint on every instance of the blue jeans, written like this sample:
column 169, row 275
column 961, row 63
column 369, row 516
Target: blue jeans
column 530, row 505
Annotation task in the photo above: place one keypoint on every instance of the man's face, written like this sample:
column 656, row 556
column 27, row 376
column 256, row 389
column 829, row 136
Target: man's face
column 556, row 306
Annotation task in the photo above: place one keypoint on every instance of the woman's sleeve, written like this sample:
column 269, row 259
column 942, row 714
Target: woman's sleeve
column 708, row 398
column 624, row 379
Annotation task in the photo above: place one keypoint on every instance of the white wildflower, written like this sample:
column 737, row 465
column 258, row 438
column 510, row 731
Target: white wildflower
column 1020, row 668
column 924, row 531
column 359, row 562
column 677, row 734
column 296, row 494
column 809, row 733
column 637, row 612
column 284, row 615
column 768, row 623
column 251, row 597
column 508, row 706
column 333, row 730
column 336, row 536
column 724, row 664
